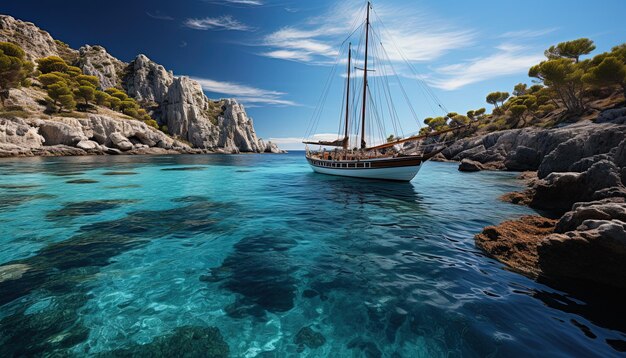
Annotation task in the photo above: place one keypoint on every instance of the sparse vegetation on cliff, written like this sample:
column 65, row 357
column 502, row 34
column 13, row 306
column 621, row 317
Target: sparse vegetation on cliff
column 14, row 69
column 566, row 88
column 66, row 86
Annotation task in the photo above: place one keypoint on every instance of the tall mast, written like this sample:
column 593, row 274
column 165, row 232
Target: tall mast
column 345, row 138
column 367, row 33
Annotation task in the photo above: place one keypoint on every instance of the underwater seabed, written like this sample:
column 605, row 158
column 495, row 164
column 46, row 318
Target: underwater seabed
column 256, row 255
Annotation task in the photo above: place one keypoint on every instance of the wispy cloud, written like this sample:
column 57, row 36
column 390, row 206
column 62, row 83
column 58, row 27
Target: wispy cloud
column 158, row 16
column 527, row 33
column 506, row 60
column 182, row 44
column 317, row 41
column 236, row 2
column 244, row 93
column 225, row 22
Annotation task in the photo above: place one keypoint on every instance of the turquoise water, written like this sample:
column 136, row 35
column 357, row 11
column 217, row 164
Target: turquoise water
column 111, row 255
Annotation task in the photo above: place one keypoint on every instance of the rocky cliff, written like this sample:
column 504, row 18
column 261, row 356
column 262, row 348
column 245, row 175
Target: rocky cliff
column 176, row 102
column 581, row 179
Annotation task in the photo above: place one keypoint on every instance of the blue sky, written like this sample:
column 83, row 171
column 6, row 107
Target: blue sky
column 275, row 55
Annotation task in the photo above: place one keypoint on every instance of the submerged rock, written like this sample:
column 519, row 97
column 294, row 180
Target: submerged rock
column 468, row 165
column 260, row 271
column 309, row 338
column 187, row 341
column 86, row 208
column 12, row 272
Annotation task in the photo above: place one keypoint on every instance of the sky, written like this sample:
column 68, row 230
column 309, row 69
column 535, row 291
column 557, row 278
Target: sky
column 277, row 56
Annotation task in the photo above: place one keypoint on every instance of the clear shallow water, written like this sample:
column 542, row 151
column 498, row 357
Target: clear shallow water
column 123, row 251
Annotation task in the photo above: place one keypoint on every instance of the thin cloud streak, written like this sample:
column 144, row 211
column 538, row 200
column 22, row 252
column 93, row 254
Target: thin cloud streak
column 507, row 60
column 244, row 93
column 225, row 22
column 236, row 2
column 159, row 16
column 317, row 41
column 527, row 33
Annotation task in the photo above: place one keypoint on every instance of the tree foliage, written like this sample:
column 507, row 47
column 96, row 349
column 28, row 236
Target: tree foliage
column 570, row 49
column 13, row 68
column 85, row 93
column 497, row 97
column 611, row 71
column 52, row 64
column 564, row 77
column 520, row 89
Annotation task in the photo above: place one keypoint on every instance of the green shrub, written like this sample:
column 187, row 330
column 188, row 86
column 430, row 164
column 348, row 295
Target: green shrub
column 13, row 68
column 52, row 64
column 152, row 123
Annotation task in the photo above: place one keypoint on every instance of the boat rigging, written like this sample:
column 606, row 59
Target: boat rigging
column 376, row 161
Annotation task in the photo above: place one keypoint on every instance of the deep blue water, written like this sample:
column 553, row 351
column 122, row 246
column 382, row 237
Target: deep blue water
column 109, row 253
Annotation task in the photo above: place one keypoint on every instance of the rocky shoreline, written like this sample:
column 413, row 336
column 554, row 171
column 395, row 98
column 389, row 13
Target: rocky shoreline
column 580, row 190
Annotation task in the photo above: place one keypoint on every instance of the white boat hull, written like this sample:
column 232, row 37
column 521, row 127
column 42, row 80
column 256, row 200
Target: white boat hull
column 404, row 173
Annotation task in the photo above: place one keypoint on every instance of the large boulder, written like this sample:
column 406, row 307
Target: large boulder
column 559, row 191
column 120, row 142
column 598, row 139
column 67, row 131
column 593, row 253
column 17, row 132
column 606, row 209
column 615, row 115
column 522, row 159
column 468, row 165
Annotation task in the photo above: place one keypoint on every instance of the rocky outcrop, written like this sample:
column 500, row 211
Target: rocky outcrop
column 180, row 103
column 96, row 134
column 147, row 81
column 18, row 133
column 468, row 165
column 96, row 61
column 237, row 132
column 186, row 113
column 66, row 131
column 36, row 42
column 594, row 253
column 559, row 191
column 546, row 150
column 606, row 209
column 581, row 177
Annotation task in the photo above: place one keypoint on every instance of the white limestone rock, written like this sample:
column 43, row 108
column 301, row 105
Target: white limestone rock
column 66, row 131
column 17, row 133
column 96, row 61
column 87, row 145
column 120, row 142
column 33, row 40
column 147, row 81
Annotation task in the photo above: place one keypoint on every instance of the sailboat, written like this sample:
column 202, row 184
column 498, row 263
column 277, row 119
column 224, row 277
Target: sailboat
column 384, row 161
